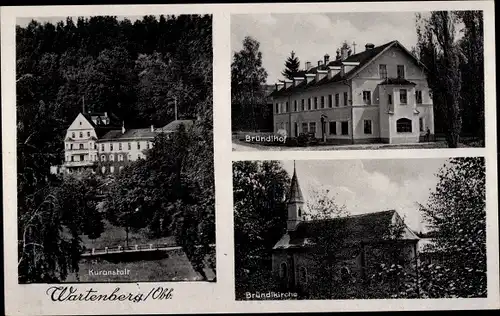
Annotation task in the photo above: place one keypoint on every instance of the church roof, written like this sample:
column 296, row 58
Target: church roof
column 356, row 229
column 295, row 194
column 363, row 58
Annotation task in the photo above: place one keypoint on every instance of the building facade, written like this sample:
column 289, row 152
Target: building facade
column 97, row 142
column 367, row 237
column 378, row 95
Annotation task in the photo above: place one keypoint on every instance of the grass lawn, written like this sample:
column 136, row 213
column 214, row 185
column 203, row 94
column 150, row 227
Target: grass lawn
column 114, row 236
column 176, row 267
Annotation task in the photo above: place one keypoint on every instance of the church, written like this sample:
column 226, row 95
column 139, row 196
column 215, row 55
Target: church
column 379, row 95
column 365, row 238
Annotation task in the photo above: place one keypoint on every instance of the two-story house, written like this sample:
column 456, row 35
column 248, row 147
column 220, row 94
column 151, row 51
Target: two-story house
column 377, row 95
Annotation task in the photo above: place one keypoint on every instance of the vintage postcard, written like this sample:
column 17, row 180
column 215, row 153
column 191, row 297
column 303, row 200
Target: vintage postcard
column 216, row 158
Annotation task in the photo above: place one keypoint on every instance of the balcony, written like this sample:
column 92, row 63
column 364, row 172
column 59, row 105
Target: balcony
column 84, row 163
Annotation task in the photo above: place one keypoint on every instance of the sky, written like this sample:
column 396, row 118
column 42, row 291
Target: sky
column 312, row 35
column 365, row 186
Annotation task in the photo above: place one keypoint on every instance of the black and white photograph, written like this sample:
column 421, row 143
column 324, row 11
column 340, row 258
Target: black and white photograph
column 357, row 80
column 115, row 163
column 360, row 229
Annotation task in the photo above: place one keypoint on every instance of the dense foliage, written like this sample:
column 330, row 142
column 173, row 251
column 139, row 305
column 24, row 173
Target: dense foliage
column 248, row 98
column 455, row 71
column 108, row 65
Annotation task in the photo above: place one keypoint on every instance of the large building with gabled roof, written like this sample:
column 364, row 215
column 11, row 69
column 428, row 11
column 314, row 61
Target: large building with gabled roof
column 295, row 261
column 377, row 95
column 100, row 142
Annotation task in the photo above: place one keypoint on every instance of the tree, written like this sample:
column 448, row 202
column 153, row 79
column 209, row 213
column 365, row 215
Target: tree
column 456, row 211
column 247, row 92
column 440, row 53
column 259, row 190
column 472, row 70
column 292, row 65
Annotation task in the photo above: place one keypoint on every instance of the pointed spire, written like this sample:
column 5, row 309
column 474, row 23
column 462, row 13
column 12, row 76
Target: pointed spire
column 295, row 191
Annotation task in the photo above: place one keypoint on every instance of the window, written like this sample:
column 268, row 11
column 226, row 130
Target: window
column 103, row 158
column 315, row 103
column 305, row 128
column 286, row 107
column 403, row 125
column 403, row 97
column 277, row 108
column 401, row 71
column 345, row 128
column 367, row 97
column 88, row 134
column 312, row 127
column 95, row 146
column 120, row 157
column 147, row 145
column 389, row 99
column 322, row 101
column 112, row 169
column 337, row 99
column 295, row 105
column 283, row 271
column 129, row 157
column 309, row 103
column 82, row 157
column 418, row 96
column 421, row 124
column 333, row 128
column 302, row 105
column 345, row 98
column 138, row 145
column 302, row 275
column 81, row 146
column 111, row 157
column 80, row 122
column 330, row 101
column 72, row 158
column 103, row 169
column 119, row 146
column 81, row 134
column 382, row 70
column 102, row 147
column 129, row 146
column 111, row 147
column 367, row 126
column 73, row 135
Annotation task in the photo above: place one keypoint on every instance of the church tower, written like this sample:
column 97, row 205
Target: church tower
column 295, row 203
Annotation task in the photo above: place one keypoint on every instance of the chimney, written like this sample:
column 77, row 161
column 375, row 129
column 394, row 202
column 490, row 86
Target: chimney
column 123, row 127
column 308, row 65
column 319, row 62
column 152, row 128
column 343, row 53
column 327, row 59
column 369, row 46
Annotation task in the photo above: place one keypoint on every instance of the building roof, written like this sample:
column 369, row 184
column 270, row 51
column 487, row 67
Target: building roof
column 397, row 81
column 174, row 125
column 134, row 133
column 102, row 129
column 357, row 229
column 295, row 194
column 363, row 58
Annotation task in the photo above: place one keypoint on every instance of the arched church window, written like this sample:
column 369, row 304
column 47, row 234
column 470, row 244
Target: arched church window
column 303, row 275
column 103, row 158
column 283, row 271
column 300, row 212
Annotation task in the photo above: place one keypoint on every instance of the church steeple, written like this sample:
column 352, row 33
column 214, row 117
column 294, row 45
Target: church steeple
column 295, row 203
